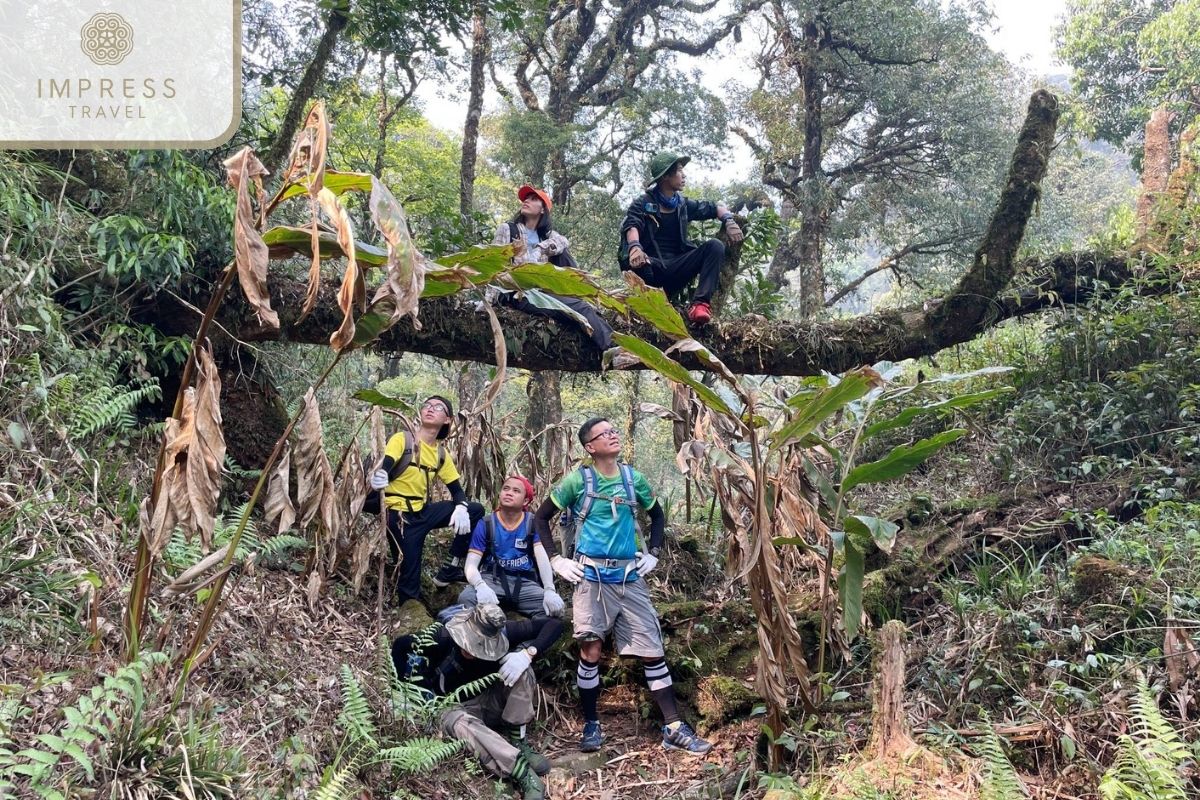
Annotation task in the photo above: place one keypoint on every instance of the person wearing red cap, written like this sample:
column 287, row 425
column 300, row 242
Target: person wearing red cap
column 535, row 241
column 502, row 557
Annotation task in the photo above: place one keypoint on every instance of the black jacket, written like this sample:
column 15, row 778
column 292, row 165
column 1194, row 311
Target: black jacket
column 644, row 215
column 431, row 659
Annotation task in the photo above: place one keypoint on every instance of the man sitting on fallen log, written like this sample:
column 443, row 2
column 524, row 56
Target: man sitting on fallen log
column 654, row 237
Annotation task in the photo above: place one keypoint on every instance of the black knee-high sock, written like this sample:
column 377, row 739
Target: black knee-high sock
column 587, row 677
column 658, row 681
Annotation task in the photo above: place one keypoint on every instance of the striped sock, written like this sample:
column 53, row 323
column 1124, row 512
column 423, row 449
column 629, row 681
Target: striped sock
column 658, row 681
column 587, row 677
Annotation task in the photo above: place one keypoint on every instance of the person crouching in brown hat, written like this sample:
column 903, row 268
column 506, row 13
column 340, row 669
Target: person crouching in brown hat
column 474, row 646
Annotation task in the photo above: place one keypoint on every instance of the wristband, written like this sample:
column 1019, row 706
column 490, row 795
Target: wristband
column 638, row 245
column 727, row 218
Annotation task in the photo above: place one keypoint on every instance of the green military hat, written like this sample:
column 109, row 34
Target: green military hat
column 660, row 164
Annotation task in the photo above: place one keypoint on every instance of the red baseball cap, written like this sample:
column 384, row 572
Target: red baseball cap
column 527, row 190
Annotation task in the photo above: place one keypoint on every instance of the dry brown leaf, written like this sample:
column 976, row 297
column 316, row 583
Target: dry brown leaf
column 280, row 512
column 314, row 478
column 360, row 562
column 307, row 167
column 250, row 252
column 1180, row 653
column 378, row 436
column 353, row 292
column 405, row 279
column 352, row 486
column 501, row 351
column 313, row 590
column 174, row 507
column 206, row 451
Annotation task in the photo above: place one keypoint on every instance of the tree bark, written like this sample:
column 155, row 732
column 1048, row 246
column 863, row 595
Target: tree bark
column 466, row 190
column 339, row 16
column 450, row 329
column 890, row 733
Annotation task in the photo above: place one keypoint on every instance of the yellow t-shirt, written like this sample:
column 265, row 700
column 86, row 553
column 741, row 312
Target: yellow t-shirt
column 413, row 483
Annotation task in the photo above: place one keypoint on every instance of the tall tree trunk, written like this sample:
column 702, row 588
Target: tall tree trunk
column 383, row 118
column 549, row 448
column 814, row 216
column 339, row 16
column 466, row 190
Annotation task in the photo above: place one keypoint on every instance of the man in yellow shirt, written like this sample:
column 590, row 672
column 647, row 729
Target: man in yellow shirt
column 412, row 513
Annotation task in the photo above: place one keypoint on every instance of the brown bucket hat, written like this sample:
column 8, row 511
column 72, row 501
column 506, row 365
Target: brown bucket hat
column 480, row 631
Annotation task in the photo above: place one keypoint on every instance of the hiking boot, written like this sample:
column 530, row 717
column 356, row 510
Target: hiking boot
column 593, row 737
column 527, row 780
column 540, row 764
column 449, row 573
column 682, row 737
column 700, row 313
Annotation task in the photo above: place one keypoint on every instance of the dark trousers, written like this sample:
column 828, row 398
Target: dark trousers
column 673, row 274
column 601, row 331
column 406, row 535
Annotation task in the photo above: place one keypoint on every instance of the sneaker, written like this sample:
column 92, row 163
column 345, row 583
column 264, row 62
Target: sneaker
column 449, row 573
column 539, row 763
column 527, row 780
column 682, row 737
column 700, row 313
column 593, row 737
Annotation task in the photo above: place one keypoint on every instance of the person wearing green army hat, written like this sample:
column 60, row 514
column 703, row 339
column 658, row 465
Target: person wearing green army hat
column 654, row 240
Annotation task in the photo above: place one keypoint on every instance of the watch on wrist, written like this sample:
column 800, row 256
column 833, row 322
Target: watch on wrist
column 655, row 551
column 531, row 651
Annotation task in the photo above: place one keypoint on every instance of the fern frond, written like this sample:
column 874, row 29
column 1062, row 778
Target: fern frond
column 356, row 717
column 471, row 689
column 1149, row 757
column 419, row 754
column 339, row 784
column 1000, row 781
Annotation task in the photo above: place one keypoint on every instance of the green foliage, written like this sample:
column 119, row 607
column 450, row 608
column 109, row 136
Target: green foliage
column 1150, row 755
column 1127, row 57
column 108, row 739
column 368, row 744
column 1000, row 780
column 179, row 554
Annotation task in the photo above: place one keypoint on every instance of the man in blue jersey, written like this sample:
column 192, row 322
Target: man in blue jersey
column 506, row 561
column 608, row 571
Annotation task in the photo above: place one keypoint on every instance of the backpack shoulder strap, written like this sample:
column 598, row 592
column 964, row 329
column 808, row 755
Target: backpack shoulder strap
column 406, row 455
column 514, row 233
column 441, row 457
column 627, row 480
column 584, row 506
column 489, row 527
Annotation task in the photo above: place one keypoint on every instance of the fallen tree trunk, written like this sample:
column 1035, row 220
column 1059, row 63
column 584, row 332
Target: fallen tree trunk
column 451, row 329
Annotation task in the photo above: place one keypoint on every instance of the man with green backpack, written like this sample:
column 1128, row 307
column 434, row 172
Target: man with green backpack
column 608, row 570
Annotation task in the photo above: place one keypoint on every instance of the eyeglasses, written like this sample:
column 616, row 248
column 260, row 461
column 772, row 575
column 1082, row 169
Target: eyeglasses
column 611, row 433
column 435, row 404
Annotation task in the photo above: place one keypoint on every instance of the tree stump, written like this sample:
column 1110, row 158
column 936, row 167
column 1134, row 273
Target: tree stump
column 890, row 734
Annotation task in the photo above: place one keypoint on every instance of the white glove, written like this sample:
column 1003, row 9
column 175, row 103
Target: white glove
column 460, row 520
column 379, row 479
column 568, row 569
column 513, row 665
column 552, row 604
column 645, row 564
column 485, row 595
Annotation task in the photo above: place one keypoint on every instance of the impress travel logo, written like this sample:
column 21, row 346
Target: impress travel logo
column 119, row 73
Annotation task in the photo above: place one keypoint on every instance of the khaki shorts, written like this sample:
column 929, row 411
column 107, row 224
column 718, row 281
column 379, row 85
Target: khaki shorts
column 624, row 609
